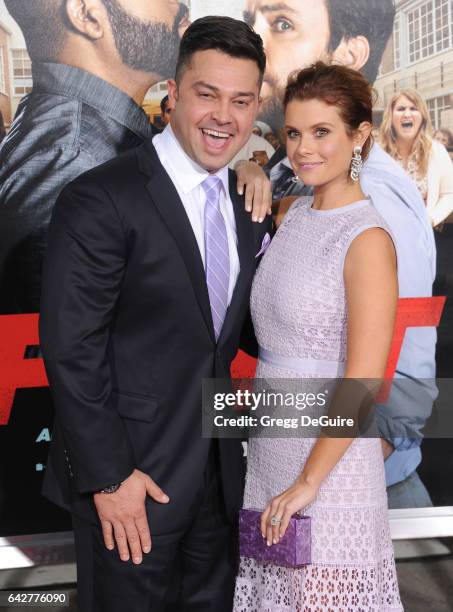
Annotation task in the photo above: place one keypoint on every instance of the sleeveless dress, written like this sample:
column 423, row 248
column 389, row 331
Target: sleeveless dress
column 299, row 314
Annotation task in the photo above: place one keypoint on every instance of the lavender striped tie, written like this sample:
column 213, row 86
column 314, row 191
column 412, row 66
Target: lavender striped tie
column 216, row 251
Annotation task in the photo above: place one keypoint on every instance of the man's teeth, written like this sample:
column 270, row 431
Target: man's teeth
column 215, row 133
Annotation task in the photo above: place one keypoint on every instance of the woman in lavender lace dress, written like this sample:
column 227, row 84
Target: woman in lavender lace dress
column 323, row 304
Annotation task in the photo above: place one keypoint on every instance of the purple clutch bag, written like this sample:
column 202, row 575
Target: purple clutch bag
column 293, row 550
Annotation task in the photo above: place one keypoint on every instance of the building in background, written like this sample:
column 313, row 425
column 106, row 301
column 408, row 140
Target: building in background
column 16, row 63
column 5, row 80
column 420, row 56
column 21, row 70
column 151, row 104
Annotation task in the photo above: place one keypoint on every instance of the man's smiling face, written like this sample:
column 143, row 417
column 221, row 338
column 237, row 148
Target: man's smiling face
column 296, row 34
column 214, row 106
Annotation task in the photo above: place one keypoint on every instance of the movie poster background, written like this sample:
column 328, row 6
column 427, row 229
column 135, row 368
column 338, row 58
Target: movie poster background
column 419, row 54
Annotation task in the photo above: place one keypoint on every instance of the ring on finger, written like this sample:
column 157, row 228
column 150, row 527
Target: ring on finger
column 275, row 521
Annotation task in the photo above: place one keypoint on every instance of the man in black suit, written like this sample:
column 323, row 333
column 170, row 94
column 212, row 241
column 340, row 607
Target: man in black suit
column 145, row 290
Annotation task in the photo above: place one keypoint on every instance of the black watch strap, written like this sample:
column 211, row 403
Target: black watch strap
column 111, row 488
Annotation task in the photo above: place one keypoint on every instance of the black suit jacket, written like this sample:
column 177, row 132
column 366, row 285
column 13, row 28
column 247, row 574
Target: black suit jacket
column 127, row 336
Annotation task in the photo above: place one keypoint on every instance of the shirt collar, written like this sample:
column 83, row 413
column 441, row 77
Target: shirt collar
column 65, row 80
column 189, row 173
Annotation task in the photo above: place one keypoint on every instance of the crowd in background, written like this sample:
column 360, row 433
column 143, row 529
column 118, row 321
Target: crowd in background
column 406, row 133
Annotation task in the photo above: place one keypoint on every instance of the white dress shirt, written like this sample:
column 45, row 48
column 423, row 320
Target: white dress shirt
column 187, row 177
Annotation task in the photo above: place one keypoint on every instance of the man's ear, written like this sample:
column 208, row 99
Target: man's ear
column 87, row 17
column 172, row 92
column 352, row 52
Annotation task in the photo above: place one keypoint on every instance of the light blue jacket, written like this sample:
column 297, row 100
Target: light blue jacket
column 397, row 199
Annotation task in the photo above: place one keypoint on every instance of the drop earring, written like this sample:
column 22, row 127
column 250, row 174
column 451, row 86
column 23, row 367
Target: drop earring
column 356, row 164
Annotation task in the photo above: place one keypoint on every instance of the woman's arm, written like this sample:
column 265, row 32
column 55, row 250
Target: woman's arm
column 371, row 294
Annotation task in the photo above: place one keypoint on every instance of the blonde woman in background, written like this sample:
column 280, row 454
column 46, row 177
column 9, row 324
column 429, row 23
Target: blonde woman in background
column 406, row 134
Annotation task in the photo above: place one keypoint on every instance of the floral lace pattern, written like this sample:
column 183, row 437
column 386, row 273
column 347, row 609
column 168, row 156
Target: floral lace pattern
column 298, row 308
column 298, row 296
column 316, row 588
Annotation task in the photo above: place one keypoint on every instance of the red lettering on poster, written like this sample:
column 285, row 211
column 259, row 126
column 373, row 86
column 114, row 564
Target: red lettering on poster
column 19, row 331
column 412, row 312
column 16, row 333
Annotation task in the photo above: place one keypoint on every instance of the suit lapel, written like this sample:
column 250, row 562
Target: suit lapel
column 244, row 229
column 166, row 199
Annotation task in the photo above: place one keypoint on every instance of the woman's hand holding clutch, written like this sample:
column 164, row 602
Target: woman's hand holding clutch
column 277, row 514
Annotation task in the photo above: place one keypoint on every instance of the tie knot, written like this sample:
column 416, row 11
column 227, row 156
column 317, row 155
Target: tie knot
column 212, row 185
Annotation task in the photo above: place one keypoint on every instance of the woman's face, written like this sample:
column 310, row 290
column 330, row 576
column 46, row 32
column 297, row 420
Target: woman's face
column 406, row 119
column 318, row 144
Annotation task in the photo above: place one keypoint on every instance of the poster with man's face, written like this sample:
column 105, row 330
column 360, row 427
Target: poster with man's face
column 132, row 45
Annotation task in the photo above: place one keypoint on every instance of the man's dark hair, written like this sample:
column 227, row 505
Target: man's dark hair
column 230, row 36
column 163, row 104
column 43, row 25
column 372, row 19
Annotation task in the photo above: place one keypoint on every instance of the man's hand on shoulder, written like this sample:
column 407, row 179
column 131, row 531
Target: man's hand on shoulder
column 258, row 191
column 123, row 515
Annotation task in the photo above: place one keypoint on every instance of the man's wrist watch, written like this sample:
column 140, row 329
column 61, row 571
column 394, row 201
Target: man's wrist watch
column 111, row 488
